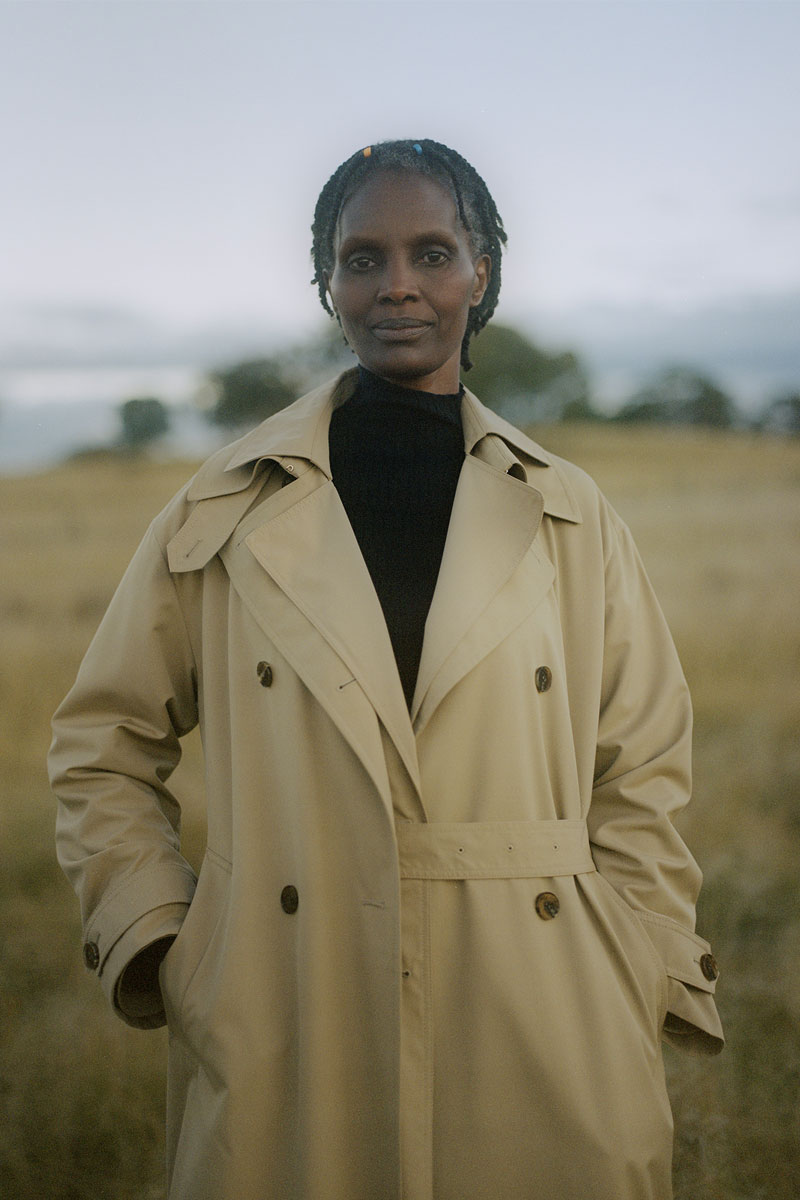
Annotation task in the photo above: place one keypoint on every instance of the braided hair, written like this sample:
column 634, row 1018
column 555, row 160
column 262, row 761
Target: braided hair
column 476, row 209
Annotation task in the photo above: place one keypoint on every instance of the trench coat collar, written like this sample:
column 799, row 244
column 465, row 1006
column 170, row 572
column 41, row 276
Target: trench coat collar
column 298, row 436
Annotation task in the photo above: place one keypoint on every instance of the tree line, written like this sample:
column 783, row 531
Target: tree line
column 520, row 380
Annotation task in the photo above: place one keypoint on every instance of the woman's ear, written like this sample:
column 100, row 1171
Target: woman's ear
column 483, row 273
column 326, row 279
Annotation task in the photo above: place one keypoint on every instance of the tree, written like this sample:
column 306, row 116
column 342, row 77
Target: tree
column 680, row 396
column 249, row 391
column 782, row 415
column 524, row 383
column 144, row 418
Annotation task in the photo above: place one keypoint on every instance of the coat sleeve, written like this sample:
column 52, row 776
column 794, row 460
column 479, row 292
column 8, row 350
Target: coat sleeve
column 116, row 742
column 642, row 780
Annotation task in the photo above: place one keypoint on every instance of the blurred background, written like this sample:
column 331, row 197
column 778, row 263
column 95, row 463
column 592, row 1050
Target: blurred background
column 161, row 162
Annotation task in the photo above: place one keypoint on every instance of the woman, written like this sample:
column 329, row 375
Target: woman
column 444, row 916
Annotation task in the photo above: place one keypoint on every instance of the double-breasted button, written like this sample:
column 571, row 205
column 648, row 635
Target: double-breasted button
column 547, row 905
column 91, row 955
column 708, row 965
column 289, row 899
column 543, row 677
column 264, row 673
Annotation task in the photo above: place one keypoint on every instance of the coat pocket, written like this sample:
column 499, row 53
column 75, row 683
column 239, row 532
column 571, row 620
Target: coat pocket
column 630, row 949
column 186, row 954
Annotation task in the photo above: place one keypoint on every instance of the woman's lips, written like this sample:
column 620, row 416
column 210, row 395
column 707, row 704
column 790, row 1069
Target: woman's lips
column 399, row 329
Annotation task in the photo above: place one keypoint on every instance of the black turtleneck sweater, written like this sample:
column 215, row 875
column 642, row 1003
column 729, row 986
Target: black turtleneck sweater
column 396, row 454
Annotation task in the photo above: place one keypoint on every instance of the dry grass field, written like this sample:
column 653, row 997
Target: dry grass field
column 717, row 518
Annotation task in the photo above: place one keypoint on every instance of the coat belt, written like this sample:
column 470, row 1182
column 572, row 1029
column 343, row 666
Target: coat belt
column 493, row 849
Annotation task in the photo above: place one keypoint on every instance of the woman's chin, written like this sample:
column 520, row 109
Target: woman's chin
column 399, row 364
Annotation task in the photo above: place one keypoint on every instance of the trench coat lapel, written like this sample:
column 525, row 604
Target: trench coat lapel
column 308, row 549
column 493, row 524
column 296, row 563
column 494, row 570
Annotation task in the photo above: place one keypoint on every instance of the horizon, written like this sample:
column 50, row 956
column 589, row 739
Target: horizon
column 752, row 351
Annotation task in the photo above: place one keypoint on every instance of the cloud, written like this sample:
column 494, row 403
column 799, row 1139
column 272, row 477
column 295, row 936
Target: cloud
column 742, row 331
column 777, row 206
column 49, row 334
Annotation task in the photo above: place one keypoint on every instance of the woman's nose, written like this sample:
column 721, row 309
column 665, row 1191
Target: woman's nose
column 397, row 283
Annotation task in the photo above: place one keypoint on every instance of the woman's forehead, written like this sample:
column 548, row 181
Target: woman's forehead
column 389, row 201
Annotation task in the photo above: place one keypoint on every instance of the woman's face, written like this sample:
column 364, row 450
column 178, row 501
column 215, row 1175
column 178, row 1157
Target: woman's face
column 404, row 279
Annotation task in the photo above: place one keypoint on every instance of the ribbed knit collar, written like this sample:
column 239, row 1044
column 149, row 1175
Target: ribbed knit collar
column 372, row 389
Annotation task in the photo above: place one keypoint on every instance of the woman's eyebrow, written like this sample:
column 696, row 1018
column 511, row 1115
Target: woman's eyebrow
column 440, row 236
column 373, row 242
column 358, row 241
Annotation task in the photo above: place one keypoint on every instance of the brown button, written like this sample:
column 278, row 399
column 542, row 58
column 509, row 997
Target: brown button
column 91, row 955
column 264, row 672
column 544, row 677
column 708, row 965
column 547, row 905
column 289, row 899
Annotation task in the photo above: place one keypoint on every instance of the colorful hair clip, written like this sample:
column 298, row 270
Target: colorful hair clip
column 367, row 151
column 417, row 147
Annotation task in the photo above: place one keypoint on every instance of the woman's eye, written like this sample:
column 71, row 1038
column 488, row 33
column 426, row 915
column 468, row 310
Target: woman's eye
column 361, row 262
column 434, row 258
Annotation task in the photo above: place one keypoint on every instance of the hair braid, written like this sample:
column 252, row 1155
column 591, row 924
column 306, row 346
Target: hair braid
column 476, row 209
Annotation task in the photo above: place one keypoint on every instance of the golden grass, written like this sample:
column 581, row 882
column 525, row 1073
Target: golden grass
column 717, row 518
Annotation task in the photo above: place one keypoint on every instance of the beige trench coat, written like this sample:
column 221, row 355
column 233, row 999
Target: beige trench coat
column 427, row 955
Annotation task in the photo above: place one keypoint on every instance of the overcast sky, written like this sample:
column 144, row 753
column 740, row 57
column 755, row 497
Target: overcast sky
column 165, row 157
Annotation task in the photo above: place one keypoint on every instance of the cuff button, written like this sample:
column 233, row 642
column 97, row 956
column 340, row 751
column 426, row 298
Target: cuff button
column 91, row 955
column 708, row 965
